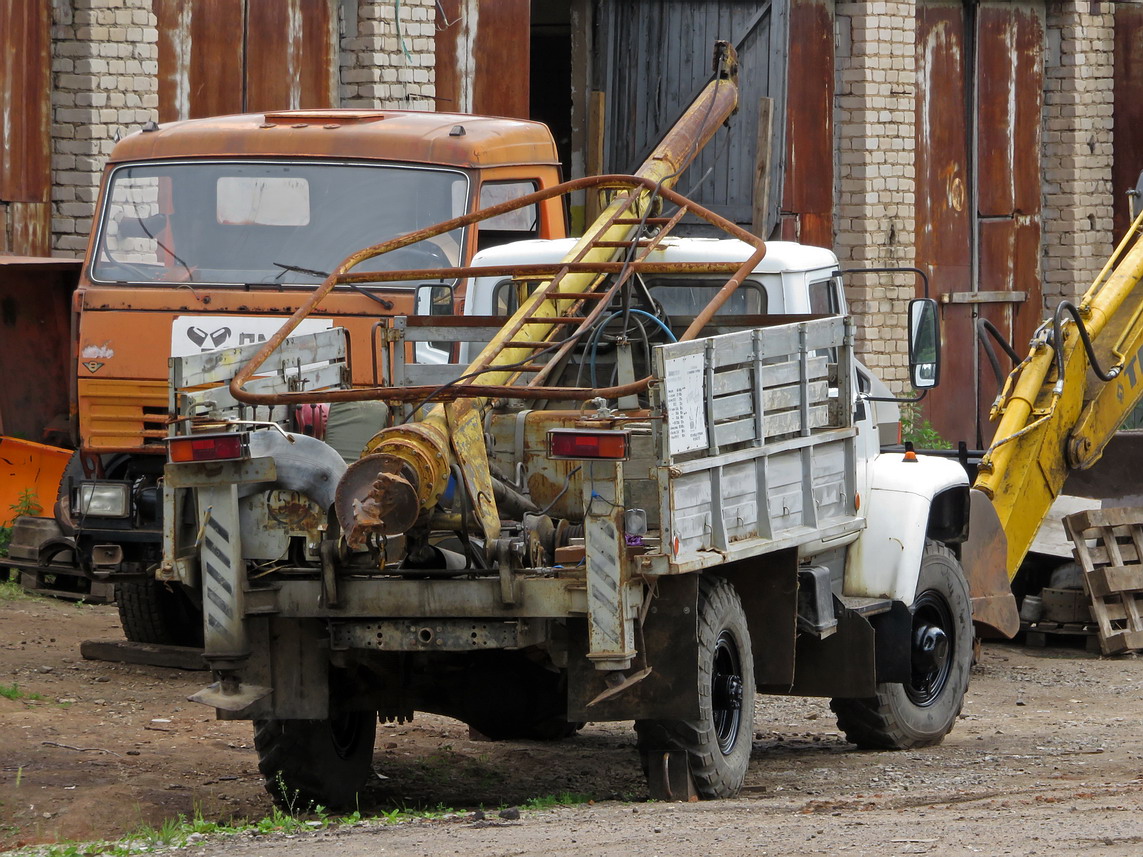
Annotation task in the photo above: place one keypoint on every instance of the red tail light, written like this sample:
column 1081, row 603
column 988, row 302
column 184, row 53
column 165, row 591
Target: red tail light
column 586, row 443
column 208, row 447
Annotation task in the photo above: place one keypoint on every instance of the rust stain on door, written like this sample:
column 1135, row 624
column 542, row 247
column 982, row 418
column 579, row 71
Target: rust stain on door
column 232, row 56
column 978, row 206
column 1128, row 109
column 25, row 138
column 943, row 211
column 807, row 204
column 1010, row 75
column 482, row 56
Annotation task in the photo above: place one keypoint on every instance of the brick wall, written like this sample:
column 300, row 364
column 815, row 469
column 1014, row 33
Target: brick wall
column 1078, row 146
column 104, row 66
column 105, row 84
column 388, row 55
column 875, row 121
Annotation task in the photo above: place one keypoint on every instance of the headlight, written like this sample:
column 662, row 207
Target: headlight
column 103, row 500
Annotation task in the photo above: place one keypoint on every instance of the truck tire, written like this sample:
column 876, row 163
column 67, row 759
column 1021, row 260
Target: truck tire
column 158, row 613
column 718, row 743
column 921, row 712
column 308, row 763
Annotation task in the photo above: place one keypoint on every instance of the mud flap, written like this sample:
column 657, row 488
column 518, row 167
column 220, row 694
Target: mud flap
column 668, row 646
column 669, row 776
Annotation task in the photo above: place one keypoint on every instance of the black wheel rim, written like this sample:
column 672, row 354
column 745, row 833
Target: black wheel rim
column 932, row 648
column 344, row 732
column 726, row 692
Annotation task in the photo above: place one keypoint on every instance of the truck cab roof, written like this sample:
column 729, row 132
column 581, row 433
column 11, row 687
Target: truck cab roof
column 450, row 139
column 781, row 256
column 789, row 272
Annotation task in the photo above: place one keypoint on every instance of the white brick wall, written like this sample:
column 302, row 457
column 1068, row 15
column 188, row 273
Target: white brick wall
column 1078, row 143
column 388, row 55
column 105, row 85
column 875, row 121
column 104, row 68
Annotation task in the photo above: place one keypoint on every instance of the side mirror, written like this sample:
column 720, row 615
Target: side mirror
column 434, row 300
column 924, row 344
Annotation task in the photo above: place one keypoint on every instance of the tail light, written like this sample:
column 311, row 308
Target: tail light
column 209, row 447
column 588, row 443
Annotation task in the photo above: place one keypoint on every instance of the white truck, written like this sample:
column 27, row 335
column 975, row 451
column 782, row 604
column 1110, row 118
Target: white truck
column 661, row 556
column 639, row 478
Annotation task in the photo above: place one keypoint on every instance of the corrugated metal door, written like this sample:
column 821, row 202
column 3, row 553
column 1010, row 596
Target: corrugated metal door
column 979, row 104
column 233, row 56
column 25, row 138
column 656, row 56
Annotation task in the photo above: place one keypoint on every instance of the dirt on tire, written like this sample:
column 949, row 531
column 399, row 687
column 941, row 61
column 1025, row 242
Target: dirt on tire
column 1045, row 757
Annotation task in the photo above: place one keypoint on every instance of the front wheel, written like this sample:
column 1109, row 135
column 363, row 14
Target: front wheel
column 922, row 711
column 718, row 744
column 308, row 763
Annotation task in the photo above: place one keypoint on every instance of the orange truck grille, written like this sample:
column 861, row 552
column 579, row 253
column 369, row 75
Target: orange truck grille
column 119, row 415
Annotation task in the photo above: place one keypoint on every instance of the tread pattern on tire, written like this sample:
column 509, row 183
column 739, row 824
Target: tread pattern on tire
column 873, row 723
column 713, row 777
column 141, row 612
column 301, row 771
column 151, row 614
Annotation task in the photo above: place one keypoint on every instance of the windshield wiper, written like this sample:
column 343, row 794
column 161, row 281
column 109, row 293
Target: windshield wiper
column 387, row 304
column 297, row 269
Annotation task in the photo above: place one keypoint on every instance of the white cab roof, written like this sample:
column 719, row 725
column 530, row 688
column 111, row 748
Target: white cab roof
column 781, row 256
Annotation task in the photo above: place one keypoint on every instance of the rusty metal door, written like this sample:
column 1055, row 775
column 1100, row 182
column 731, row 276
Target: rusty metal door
column 1128, row 109
column 807, row 203
column 482, row 57
column 234, row 56
column 25, row 138
column 654, row 55
column 979, row 105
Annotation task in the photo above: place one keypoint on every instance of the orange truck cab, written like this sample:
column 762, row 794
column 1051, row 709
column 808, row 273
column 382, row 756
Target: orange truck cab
column 209, row 232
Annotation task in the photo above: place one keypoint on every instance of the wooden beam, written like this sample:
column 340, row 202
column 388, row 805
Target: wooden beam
column 124, row 652
column 596, row 121
column 763, row 164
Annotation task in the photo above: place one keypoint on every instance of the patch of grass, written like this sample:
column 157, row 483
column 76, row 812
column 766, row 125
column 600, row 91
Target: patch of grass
column 10, row 588
column 561, row 799
column 181, row 832
column 27, row 504
column 13, row 691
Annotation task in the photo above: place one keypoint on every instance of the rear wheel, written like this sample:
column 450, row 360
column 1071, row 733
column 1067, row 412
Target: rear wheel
column 158, row 613
column 922, row 711
column 718, row 743
column 308, row 763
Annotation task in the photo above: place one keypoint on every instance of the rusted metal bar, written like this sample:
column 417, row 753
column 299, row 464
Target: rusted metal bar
column 420, row 393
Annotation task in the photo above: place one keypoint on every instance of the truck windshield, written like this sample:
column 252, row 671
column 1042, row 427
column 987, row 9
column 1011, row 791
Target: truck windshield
column 270, row 222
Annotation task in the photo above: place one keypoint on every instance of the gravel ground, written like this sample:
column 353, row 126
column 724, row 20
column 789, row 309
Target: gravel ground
column 1047, row 758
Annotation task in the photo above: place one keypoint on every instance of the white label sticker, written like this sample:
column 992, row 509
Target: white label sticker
column 686, row 405
column 195, row 334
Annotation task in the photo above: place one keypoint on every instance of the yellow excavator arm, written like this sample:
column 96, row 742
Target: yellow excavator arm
column 1064, row 401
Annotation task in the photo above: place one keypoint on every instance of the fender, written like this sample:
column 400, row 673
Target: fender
column 885, row 561
column 304, row 464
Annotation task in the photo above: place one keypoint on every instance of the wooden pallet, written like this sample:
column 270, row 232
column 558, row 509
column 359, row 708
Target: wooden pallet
column 1039, row 635
column 1108, row 544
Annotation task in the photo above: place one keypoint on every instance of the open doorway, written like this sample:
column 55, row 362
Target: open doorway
column 550, row 98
